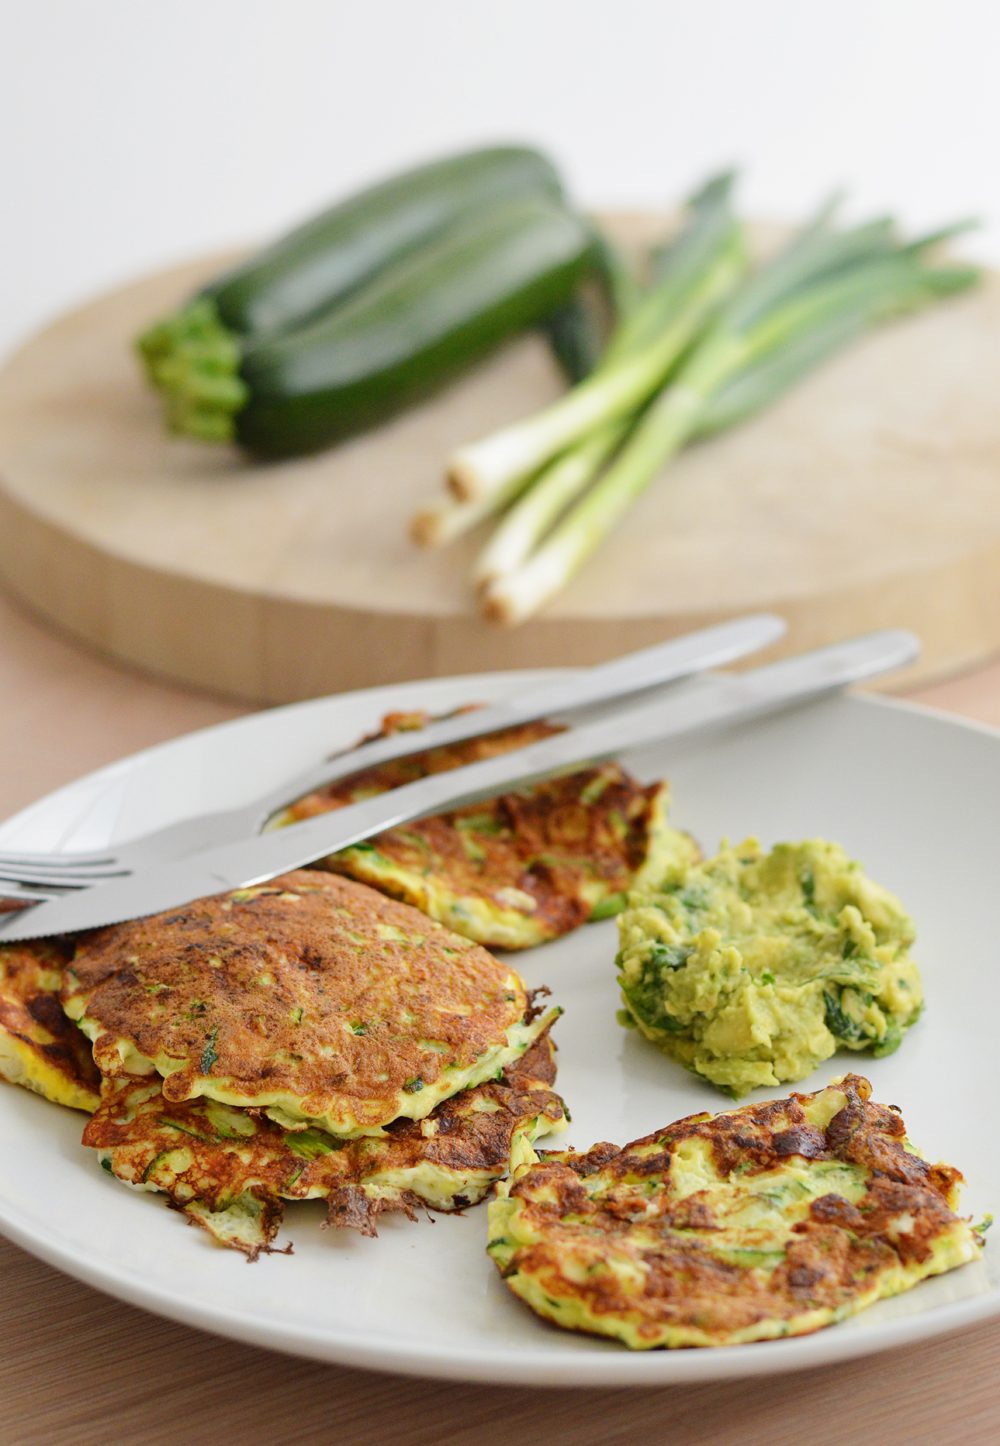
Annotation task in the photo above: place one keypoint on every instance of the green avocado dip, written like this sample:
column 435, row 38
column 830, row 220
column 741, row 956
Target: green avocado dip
column 756, row 967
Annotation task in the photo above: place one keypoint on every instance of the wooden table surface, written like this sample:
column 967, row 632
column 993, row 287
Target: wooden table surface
column 76, row 1366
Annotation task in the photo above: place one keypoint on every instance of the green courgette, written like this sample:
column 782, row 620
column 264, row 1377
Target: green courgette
column 317, row 265
column 398, row 339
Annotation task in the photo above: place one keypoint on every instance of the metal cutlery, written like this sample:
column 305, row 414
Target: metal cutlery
column 698, row 704
column 37, row 876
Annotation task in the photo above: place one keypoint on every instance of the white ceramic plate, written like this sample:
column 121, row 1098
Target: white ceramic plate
column 914, row 795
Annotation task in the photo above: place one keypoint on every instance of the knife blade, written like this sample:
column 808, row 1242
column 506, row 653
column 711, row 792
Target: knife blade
column 630, row 675
column 702, row 702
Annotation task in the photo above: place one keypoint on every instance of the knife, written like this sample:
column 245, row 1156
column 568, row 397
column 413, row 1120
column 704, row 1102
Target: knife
column 633, row 674
column 703, row 702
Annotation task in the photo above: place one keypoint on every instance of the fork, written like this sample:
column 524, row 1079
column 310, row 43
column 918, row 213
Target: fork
column 31, row 878
column 704, row 703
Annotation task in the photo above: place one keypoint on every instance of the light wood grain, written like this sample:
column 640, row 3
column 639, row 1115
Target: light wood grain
column 868, row 497
column 79, row 1369
column 82, row 1369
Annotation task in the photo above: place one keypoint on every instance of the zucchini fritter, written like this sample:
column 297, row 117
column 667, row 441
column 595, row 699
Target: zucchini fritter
column 39, row 1047
column 231, row 1170
column 772, row 1220
column 517, row 870
column 312, row 996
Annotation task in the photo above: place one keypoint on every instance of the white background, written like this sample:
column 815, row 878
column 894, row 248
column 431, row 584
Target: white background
column 134, row 132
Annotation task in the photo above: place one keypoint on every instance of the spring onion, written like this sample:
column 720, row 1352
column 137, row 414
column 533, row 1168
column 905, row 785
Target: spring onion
column 641, row 320
column 701, row 347
column 525, row 524
column 816, row 295
column 446, row 518
column 705, row 263
column 530, row 518
column 674, row 271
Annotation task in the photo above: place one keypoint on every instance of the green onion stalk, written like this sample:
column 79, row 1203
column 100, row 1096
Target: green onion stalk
column 808, row 302
column 817, row 251
column 677, row 270
column 707, row 261
column 445, row 519
column 542, row 503
column 690, row 276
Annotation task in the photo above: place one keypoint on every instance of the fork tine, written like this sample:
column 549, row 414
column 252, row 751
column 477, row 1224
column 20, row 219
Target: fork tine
column 84, row 860
column 60, row 878
column 16, row 893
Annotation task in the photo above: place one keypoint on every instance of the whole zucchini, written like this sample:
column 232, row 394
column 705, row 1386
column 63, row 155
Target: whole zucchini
column 401, row 337
column 317, row 265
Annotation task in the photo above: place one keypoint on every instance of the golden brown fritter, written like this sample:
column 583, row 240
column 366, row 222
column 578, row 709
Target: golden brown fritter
column 232, row 1169
column 517, row 870
column 39, row 1047
column 771, row 1220
column 312, row 996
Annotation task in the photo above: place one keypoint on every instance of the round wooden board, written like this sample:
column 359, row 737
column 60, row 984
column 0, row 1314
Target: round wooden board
column 868, row 497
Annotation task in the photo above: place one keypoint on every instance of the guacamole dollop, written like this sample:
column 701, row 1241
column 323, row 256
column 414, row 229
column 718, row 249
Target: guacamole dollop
column 755, row 967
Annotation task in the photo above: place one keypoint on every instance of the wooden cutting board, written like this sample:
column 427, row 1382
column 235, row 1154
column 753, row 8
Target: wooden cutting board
column 868, row 497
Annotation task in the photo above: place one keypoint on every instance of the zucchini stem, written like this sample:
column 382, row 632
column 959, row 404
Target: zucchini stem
column 194, row 360
column 196, row 327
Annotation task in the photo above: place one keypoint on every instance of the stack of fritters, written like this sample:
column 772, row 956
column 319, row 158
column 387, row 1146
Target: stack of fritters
column 230, row 1169
column 311, row 1039
column 517, row 870
column 307, row 1038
